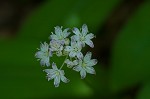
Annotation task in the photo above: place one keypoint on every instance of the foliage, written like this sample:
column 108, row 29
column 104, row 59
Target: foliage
column 129, row 66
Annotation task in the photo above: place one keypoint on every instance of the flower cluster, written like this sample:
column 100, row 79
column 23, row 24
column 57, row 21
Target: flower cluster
column 62, row 43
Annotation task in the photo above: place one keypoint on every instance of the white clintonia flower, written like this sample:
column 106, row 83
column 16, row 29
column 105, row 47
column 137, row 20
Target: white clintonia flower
column 44, row 54
column 56, row 74
column 62, row 44
column 70, row 64
column 74, row 49
column 86, row 65
column 60, row 35
column 56, row 46
column 82, row 37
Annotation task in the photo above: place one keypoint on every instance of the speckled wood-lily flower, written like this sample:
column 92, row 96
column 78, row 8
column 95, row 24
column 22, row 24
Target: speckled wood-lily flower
column 56, row 74
column 44, row 54
column 82, row 37
column 66, row 44
column 86, row 65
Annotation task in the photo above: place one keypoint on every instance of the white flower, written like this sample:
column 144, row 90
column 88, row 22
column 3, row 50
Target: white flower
column 44, row 54
column 82, row 37
column 56, row 46
column 70, row 64
column 60, row 35
column 86, row 65
column 56, row 74
column 74, row 49
column 62, row 44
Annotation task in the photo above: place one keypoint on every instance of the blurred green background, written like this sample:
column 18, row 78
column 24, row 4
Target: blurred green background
column 122, row 47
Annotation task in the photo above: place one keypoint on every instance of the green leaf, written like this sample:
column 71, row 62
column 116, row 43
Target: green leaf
column 131, row 51
column 99, row 82
column 21, row 75
column 144, row 92
column 39, row 25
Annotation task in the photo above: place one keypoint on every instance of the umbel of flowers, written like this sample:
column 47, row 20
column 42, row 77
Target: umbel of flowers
column 69, row 44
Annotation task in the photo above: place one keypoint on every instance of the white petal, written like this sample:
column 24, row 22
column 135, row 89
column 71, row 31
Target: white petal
column 58, row 31
column 54, row 37
column 73, row 42
column 83, row 74
column 76, row 37
column 92, row 62
column 76, row 31
column 48, row 71
column 80, row 62
column 90, row 43
column 78, row 47
column 81, row 44
column 52, row 42
column 51, row 76
column 47, row 64
column 50, row 52
column 64, row 79
column 53, row 48
column 61, row 72
column 75, row 62
column 67, row 41
column 45, row 61
column 72, row 54
column 84, row 29
column 39, row 54
column 53, row 45
column 66, row 33
column 87, row 56
column 57, row 81
column 77, row 68
column 48, row 78
column 90, row 70
column 67, row 61
column 42, row 63
column 89, row 36
column 79, row 55
column 68, row 48
column 54, row 66
column 61, row 42
column 44, row 47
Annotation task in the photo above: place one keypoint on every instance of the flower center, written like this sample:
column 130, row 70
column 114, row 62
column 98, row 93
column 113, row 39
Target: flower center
column 82, row 38
column 57, row 73
column 75, row 49
column 46, row 53
column 83, row 64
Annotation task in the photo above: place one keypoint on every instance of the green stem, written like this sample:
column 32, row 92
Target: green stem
column 63, row 63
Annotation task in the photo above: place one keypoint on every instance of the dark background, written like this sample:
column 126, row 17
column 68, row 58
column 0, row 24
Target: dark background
column 122, row 47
